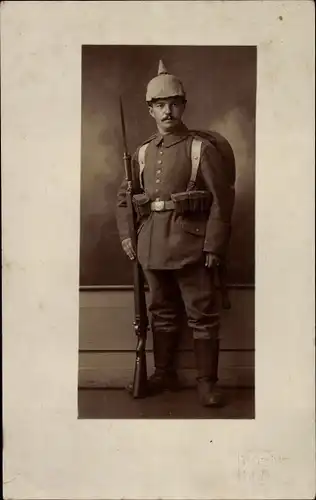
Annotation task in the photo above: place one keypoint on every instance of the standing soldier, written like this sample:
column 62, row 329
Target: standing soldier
column 184, row 206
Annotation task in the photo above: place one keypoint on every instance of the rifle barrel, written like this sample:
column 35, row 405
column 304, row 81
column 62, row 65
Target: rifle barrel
column 123, row 127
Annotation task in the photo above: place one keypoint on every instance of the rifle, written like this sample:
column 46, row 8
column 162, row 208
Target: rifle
column 140, row 309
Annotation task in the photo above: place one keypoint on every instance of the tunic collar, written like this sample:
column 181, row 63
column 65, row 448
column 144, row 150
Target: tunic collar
column 170, row 139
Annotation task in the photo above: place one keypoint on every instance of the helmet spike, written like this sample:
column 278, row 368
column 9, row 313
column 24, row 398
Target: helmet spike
column 162, row 68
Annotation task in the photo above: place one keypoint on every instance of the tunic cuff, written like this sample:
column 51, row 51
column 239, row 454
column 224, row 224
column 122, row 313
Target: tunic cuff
column 217, row 238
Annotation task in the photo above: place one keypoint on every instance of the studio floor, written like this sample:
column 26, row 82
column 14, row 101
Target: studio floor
column 117, row 403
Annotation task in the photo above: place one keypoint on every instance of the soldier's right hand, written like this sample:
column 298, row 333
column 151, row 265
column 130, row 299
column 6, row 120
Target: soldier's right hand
column 128, row 248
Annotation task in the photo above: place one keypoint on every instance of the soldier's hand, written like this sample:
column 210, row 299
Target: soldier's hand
column 128, row 248
column 211, row 260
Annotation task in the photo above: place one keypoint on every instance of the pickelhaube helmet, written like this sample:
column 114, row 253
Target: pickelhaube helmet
column 164, row 85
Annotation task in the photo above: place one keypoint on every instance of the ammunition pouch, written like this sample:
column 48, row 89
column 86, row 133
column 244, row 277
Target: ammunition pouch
column 141, row 204
column 192, row 202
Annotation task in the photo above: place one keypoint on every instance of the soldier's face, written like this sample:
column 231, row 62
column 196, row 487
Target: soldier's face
column 167, row 113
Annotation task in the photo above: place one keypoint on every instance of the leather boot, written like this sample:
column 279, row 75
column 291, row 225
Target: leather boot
column 165, row 377
column 206, row 355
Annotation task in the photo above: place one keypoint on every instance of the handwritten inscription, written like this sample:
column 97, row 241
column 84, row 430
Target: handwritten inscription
column 257, row 465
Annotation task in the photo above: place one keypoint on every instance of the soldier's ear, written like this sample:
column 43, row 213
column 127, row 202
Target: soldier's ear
column 150, row 110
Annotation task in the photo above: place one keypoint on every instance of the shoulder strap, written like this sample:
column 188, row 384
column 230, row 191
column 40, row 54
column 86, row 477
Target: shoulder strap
column 195, row 160
column 141, row 161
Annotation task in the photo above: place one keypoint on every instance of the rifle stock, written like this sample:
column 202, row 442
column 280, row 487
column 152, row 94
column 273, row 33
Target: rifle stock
column 140, row 328
column 140, row 309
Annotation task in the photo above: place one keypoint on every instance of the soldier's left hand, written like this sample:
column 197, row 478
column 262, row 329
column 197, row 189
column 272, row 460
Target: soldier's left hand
column 211, row 260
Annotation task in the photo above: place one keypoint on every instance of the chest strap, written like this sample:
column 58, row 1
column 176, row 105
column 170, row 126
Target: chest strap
column 141, row 161
column 195, row 161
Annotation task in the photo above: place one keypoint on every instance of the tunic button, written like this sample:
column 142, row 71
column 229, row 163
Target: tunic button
column 157, row 181
column 160, row 162
column 161, row 152
column 158, row 171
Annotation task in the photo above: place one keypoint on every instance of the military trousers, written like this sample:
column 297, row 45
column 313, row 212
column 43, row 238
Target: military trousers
column 194, row 284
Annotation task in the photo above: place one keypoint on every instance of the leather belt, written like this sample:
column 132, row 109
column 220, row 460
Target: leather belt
column 161, row 206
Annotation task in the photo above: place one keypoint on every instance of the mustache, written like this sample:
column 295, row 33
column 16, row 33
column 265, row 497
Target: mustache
column 166, row 118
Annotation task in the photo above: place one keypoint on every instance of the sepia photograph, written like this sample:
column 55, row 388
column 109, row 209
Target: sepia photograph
column 167, row 264
column 158, row 262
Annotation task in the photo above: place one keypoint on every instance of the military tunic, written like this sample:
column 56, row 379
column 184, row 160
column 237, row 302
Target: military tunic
column 166, row 240
column 171, row 248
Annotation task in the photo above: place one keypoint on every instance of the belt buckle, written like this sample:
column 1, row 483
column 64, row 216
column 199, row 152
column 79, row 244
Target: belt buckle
column 159, row 205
